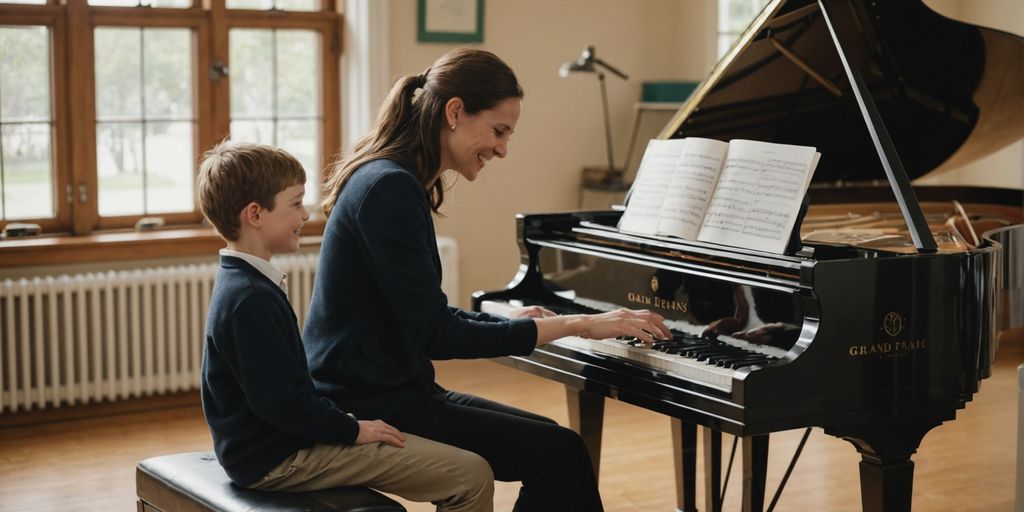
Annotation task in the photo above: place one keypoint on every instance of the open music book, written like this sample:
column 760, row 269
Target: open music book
column 743, row 193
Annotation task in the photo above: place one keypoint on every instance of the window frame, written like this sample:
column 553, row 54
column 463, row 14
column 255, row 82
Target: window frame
column 329, row 99
column 73, row 115
column 149, row 17
column 51, row 16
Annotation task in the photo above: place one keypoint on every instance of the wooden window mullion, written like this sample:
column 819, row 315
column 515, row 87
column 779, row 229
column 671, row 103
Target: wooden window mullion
column 220, row 107
column 330, row 94
column 203, row 103
column 60, row 87
column 82, row 117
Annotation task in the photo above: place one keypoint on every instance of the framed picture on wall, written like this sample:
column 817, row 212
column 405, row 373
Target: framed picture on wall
column 450, row 21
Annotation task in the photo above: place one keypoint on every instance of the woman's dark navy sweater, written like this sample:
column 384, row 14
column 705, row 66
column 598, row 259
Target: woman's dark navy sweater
column 378, row 315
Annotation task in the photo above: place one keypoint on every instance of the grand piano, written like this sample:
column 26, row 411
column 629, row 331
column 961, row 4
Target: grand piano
column 881, row 319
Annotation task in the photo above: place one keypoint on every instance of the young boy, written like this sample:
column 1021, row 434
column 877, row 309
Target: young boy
column 270, row 429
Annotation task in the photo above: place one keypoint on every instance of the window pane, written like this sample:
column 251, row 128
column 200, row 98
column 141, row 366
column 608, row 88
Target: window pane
column 250, row 4
column 283, row 5
column 119, row 168
column 733, row 18
column 147, row 3
column 300, row 139
column 167, row 81
column 725, row 42
column 252, row 72
column 298, row 72
column 261, row 132
column 169, row 167
column 24, row 74
column 39, row 2
column 118, row 73
column 285, row 110
column 298, row 5
column 26, row 129
column 145, row 120
column 739, row 15
column 27, row 176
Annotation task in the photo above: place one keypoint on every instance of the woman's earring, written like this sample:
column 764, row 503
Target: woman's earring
column 453, row 127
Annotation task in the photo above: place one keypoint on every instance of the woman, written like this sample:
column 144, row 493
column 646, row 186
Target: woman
column 378, row 315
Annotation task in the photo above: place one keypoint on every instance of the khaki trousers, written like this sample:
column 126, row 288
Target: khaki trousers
column 455, row 480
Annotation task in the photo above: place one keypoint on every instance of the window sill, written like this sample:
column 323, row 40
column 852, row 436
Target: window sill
column 122, row 246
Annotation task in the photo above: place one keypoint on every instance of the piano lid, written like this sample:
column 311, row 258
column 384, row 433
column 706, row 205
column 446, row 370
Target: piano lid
column 948, row 92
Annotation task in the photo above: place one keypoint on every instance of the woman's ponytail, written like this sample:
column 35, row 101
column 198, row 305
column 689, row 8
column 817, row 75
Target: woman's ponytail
column 396, row 113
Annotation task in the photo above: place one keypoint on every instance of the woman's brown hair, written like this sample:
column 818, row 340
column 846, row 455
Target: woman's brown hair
column 408, row 126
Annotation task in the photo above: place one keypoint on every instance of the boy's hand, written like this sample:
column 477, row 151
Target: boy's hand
column 376, row 431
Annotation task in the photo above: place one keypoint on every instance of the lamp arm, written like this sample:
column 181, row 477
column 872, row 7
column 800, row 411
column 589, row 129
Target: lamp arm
column 611, row 68
column 607, row 125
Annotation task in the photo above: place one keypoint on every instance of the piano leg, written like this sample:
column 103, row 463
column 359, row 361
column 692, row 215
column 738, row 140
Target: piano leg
column 712, row 469
column 684, row 449
column 755, row 471
column 886, row 484
column 886, row 471
column 586, row 417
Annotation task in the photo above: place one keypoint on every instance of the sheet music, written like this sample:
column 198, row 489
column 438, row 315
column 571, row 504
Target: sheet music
column 643, row 212
column 694, row 177
column 758, row 195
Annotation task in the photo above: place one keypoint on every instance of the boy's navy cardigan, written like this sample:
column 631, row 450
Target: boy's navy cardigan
column 378, row 315
column 258, row 397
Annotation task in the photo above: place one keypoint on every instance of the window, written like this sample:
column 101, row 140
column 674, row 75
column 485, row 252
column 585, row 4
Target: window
column 106, row 106
column 733, row 18
column 26, row 124
column 273, row 99
column 144, row 120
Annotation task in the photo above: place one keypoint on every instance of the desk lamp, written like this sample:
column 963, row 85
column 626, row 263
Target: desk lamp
column 590, row 63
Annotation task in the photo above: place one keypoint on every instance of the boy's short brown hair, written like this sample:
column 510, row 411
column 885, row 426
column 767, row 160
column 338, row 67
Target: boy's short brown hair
column 234, row 174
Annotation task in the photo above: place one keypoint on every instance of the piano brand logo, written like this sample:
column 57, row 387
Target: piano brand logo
column 892, row 324
column 656, row 302
column 889, row 349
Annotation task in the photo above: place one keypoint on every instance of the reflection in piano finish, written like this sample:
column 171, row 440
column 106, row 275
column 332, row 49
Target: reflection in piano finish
column 881, row 322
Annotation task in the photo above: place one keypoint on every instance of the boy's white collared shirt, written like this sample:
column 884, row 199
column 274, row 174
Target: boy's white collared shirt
column 265, row 267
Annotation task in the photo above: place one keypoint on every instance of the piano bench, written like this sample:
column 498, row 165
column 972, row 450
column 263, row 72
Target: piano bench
column 187, row 482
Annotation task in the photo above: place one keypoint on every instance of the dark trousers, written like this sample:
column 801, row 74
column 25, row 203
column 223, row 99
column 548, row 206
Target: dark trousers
column 551, row 461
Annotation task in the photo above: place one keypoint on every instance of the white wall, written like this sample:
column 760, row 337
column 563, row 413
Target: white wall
column 561, row 125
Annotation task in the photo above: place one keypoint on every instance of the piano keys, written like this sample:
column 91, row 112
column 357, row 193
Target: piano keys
column 706, row 359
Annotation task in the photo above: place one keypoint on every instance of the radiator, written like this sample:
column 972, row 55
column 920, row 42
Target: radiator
column 91, row 337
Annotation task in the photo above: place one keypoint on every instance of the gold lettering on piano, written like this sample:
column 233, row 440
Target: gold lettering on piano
column 889, row 348
column 654, row 284
column 657, row 302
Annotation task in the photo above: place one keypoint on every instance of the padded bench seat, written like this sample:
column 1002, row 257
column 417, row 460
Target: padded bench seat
column 186, row 482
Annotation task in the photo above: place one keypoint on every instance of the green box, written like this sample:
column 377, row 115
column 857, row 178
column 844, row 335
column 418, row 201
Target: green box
column 667, row 91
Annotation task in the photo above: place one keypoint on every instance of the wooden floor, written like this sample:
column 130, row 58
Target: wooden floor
column 965, row 465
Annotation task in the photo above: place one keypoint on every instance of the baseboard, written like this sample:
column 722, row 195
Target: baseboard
column 100, row 409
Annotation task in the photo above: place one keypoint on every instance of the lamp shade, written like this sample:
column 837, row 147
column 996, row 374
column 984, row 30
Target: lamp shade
column 588, row 63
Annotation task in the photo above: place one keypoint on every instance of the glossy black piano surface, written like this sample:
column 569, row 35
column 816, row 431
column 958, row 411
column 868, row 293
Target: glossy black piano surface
column 870, row 335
